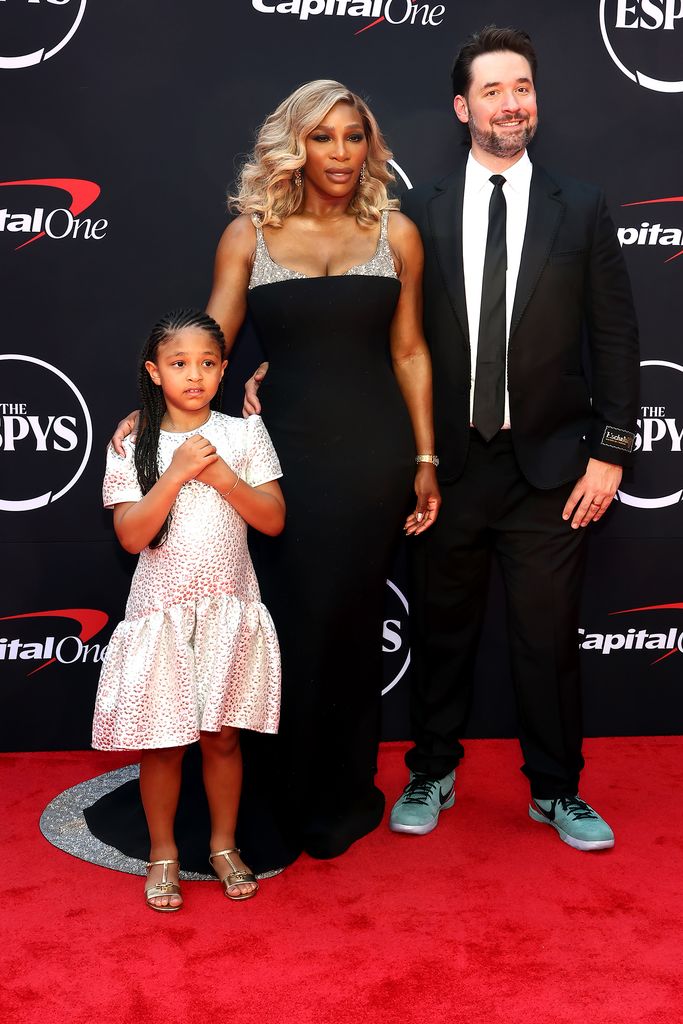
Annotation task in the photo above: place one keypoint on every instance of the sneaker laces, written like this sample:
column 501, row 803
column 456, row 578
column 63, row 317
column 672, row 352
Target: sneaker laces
column 578, row 808
column 419, row 790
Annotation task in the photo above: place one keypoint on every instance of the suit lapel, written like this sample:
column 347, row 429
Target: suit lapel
column 445, row 222
column 543, row 220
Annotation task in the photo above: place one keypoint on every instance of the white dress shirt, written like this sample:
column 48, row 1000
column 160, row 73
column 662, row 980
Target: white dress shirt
column 475, row 223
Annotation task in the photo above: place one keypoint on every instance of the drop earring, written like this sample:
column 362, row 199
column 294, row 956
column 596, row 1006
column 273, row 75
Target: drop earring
column 361, row 176
column 297, row 178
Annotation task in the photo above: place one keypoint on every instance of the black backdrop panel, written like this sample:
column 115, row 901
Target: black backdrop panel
column 123, row 125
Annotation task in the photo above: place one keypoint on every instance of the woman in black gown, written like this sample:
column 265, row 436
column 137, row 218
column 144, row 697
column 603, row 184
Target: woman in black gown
column 331, row 274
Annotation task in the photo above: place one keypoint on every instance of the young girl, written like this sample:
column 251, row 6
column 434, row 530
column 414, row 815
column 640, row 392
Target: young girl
column 196, row 657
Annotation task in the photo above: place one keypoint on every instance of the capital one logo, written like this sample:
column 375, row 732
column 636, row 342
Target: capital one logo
column 23, row 215
column 45, row 433
column 644, row 38
column 391, row 12
column 657, row 480
column 47, row 646
column 661, row 636
column 654, row 234
column 32, row 31
column 395, row 638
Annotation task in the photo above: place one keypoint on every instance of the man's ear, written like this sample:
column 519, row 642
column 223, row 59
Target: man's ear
column 461, row 111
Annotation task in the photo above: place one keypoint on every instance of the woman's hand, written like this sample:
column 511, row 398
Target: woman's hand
column 127, row 426
column 413, row 367
column 251, row 403
column 428, row 501
column 193, row 456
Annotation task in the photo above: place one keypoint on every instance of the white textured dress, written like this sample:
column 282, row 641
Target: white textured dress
column 197, row 649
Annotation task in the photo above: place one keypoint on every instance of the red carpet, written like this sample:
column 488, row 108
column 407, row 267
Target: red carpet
column 489, row 919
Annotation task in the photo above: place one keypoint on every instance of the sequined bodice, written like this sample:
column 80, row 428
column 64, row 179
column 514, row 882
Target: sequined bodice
column 266, row 271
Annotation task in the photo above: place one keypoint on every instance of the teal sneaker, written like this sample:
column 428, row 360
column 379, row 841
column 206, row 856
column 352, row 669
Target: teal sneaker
column 417, row 809
column 576, row 823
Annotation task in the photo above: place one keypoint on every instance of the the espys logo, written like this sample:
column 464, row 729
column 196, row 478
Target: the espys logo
column 394, row 638
column 35, row 30
column 401, row 173
column 668, row 640
column 641, row 38
column 45, row 433
column 390, row 12
column 50, row 646
column 41, row 218
column 659, row 437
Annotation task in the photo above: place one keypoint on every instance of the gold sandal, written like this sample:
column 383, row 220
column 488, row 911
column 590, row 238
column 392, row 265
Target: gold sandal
column 162, row 888
column 234, row 876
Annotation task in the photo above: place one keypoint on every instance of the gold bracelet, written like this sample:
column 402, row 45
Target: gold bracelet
column 228, row 493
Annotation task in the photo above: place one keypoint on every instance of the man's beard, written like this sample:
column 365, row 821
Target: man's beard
column 502, row 145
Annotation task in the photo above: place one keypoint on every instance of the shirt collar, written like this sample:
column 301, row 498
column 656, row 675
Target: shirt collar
column 518, row 177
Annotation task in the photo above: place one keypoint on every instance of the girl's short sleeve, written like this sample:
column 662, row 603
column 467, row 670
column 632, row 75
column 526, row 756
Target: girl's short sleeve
column 262, row 463
column 120, row 477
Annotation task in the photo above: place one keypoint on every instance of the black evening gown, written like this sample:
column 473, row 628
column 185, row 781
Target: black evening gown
column 340, row 426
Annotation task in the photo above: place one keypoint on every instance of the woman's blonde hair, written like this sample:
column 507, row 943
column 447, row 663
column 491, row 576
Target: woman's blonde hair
column 267, row 184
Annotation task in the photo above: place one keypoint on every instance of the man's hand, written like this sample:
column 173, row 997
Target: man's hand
column 593, row 493
column 251, row 403
column 127, row 426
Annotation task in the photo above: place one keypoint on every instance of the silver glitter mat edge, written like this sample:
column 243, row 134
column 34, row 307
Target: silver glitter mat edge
column 64, row 826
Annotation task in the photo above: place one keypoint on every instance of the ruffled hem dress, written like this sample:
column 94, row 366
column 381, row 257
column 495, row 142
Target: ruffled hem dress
column 197, row 648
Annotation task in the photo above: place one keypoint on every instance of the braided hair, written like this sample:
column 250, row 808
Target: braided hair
column 153, row 404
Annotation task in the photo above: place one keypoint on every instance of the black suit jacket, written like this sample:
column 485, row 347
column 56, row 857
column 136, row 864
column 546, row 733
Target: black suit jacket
column 569, row 400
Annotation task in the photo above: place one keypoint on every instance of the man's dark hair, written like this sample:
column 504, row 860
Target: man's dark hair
column 490, row 39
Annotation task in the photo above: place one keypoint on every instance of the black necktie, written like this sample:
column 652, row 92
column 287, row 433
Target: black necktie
column 489, row 382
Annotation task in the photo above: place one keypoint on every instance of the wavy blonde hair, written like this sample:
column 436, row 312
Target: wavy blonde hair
column 266, row 184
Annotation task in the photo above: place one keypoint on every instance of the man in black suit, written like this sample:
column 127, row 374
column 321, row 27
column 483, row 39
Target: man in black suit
column 530, row 322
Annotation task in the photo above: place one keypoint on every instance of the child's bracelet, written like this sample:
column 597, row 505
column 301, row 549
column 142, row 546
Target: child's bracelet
column 228, row 493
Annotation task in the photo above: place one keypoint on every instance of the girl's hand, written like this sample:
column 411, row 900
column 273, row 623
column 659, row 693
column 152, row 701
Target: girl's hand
column 428, row 501
column 193, row 456
column 216, row 474
column 127, row 426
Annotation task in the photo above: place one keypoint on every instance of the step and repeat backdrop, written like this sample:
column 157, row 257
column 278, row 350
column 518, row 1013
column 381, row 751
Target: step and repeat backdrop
column 122, row 128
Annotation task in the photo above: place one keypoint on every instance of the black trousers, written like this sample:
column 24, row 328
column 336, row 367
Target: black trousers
column 491, row 509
